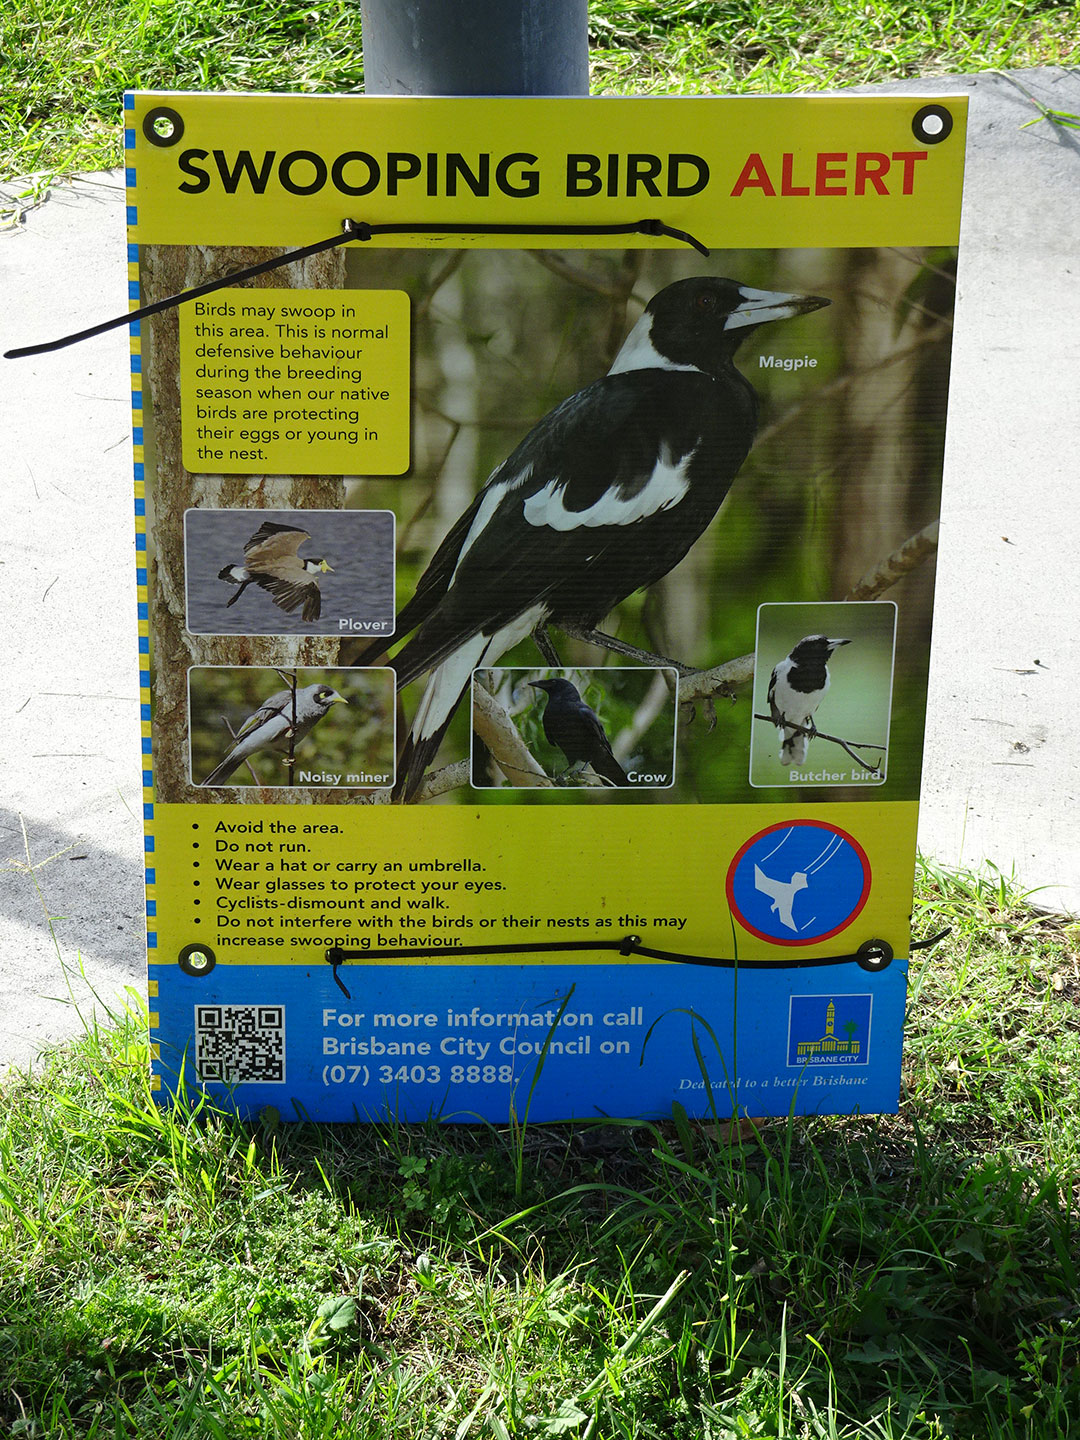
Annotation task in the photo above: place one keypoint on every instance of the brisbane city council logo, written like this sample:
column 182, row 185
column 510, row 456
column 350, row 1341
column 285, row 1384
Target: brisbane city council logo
column 798, row 882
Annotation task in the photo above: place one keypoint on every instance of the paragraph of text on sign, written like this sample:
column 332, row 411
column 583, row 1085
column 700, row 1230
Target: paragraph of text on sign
column 295, row 382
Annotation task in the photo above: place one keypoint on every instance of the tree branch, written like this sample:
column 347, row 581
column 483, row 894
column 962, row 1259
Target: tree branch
column 847, row 745
column 720, row 680
column 450, row 777
column 894, row 567
column 508, row 749
column 554, row 261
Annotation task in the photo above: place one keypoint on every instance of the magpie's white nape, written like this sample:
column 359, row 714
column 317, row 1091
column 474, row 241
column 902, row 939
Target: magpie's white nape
column 603, row 497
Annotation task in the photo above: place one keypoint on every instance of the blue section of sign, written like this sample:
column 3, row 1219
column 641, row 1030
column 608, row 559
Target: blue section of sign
column 799, row 883
column 465, row 1043
column 830, row 1029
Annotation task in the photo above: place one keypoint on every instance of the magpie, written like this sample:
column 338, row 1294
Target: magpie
column 271, row 726
column 272, row 562
column 603, row 497
column 796, row 688
column 576, row 730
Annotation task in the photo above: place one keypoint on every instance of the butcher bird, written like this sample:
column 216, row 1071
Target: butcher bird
column 796, row 689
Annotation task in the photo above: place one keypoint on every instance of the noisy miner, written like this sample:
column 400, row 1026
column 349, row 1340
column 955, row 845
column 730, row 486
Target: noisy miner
column 271, row 726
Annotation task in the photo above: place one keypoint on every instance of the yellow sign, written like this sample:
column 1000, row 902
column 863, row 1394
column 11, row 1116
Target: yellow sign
column 537, row 593
column 295, row 382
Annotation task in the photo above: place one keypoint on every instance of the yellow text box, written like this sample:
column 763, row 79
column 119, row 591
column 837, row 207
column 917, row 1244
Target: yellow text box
column 295, row 382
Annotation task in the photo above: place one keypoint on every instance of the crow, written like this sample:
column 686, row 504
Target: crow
column 576, row 730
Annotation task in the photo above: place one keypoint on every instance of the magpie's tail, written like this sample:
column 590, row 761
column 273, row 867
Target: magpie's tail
column 416, row 756
column 443, row 695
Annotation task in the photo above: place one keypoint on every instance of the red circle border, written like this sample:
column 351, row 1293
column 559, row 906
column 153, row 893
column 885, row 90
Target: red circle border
column 737, row 914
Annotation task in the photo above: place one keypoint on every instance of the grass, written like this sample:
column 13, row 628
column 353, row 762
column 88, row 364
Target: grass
column 65, row 63
column 179, row 1274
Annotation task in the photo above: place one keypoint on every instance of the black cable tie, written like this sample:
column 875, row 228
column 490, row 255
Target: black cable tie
column 337, row 978
column 360, row 230
column 195, row 293
column 872, row 955
column 933, row 940
column 350, row 230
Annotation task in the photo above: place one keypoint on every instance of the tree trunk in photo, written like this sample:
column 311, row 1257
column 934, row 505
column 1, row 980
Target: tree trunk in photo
column 167, row 270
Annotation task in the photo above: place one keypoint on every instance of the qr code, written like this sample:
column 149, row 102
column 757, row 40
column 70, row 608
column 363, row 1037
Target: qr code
column 239, row 1043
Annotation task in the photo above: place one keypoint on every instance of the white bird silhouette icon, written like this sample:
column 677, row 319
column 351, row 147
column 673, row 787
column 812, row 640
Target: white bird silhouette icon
column 782, row 894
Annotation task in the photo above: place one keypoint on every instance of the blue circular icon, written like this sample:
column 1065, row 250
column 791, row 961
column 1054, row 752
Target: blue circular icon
column 798, row 882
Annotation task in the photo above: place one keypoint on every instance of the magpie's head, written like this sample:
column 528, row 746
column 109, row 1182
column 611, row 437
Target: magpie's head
column 816, row 647
column 700, row 323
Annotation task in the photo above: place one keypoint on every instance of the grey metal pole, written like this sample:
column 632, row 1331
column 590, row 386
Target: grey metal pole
column 475, row 47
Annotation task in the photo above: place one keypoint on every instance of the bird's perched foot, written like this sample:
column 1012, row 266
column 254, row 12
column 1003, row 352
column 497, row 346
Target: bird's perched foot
column 623, row 647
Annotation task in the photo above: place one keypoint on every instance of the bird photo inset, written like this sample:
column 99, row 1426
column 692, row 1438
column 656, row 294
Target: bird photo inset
column 590, row 734
column 260, row 571
column 797, row 687
column 822, row 710
column 603, row 497
column 272, row 561
column 257, row 725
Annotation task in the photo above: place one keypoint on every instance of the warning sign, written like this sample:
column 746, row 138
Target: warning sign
column 537, row 597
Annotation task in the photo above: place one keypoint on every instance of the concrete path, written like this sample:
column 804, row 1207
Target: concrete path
column 1002, row 778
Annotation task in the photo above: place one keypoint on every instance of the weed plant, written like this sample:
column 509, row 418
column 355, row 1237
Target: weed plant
column 64, row 64
column 174, row 1273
